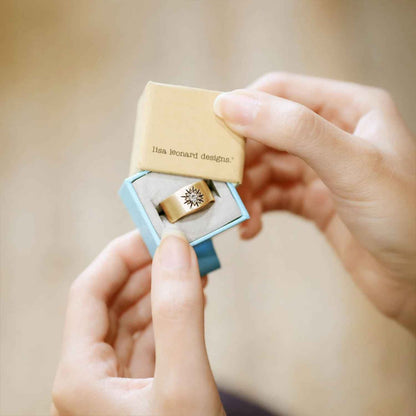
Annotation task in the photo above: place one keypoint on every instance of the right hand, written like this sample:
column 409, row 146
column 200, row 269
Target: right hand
column 340, row 155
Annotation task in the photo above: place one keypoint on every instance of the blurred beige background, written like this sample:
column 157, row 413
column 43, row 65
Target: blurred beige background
column 288, row 329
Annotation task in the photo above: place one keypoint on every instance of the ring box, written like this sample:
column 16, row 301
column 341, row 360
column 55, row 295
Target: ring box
column 143, row 210
column 178, row 140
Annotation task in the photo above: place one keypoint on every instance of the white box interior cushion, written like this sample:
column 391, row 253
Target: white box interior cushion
column 153, row 188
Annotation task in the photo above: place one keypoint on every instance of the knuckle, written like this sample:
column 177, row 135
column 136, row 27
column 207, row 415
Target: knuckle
column 301, row 113
column 373, row 167
column 273, row 78
column 382, row 97
column 78, row 286
column 75, row 288
column 64, row 390
column 59, row 395
column 114, row 244
column 302, row 120
column 281, row 76
column 374, row 158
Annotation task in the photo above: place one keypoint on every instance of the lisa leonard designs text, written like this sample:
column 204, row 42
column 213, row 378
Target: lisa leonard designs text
column 194, row 155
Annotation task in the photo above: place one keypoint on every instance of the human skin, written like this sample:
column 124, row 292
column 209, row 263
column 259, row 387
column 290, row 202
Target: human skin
column 340, row 155
column 336, row 153
column 111, row 363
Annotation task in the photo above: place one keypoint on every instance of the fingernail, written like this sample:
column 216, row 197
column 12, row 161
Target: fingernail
column 174, row 250
column 236, row 107
column 171, row 229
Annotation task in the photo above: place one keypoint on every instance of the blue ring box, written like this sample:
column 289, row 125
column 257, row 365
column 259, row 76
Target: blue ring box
column 207, row 257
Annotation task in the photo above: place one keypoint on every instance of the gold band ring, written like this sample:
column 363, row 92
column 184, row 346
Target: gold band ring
column 187, row 200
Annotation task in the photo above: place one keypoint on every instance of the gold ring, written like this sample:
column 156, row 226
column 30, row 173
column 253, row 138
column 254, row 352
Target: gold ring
column 187, row 200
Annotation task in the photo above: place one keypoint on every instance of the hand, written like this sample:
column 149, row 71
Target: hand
column 340, row 155
column 108, row 360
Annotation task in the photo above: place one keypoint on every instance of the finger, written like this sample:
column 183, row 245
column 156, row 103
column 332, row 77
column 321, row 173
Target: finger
column 137, row 316
column 341, row 102
column 285, row 167
column 111, row 269
column 133, row 291
column 312, row 201
column 275, row 167
column 134, row 320
column 54, row 410
column 87, row 312
column 339, row 158
column 204, row 281
column 142, row 361
column 253, row 225
column 137, row 286
column 289, row 199
column 123, row 347
column 259, row 176
column 178, row 317
column 254, row 152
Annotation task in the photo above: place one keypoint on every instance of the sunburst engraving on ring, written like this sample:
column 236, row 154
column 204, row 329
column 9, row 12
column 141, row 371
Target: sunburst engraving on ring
column 187, row 200
column 193, row 197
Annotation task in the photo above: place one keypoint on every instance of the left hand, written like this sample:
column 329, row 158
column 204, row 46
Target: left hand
column 338, row 154
column 111, row 363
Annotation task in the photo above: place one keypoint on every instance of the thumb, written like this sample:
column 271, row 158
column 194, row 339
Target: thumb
column 182, row 367
column 342, row 160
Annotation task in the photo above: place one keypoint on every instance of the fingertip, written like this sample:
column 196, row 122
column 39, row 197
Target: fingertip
column 217, row 107
column 243, row 234
column 237, row 108
column 242, row 231
column 250, row 231
column 253, row 225
column 173, row 231
column 174, row 251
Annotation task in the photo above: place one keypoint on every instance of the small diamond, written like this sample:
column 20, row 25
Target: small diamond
column 193, row 197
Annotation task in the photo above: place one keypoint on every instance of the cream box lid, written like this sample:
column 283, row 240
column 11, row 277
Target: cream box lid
column 177, row 132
